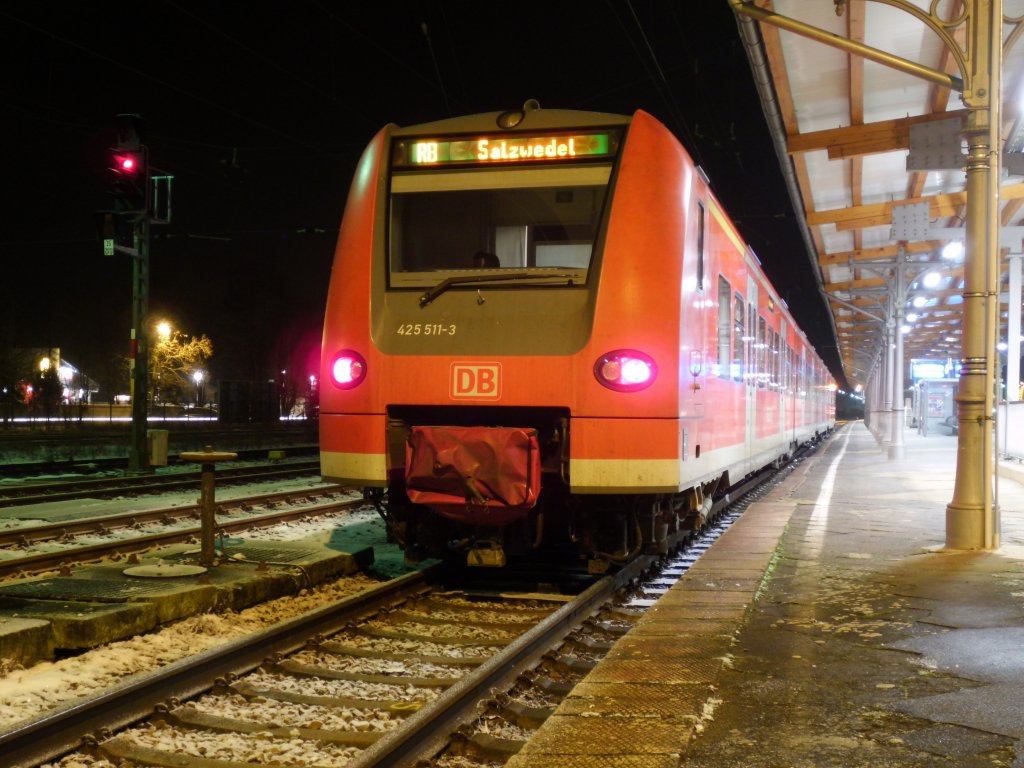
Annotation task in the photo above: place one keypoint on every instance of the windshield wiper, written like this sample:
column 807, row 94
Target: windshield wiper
column 448, row 282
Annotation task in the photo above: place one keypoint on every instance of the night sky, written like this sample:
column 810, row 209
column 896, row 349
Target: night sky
column 260, row 111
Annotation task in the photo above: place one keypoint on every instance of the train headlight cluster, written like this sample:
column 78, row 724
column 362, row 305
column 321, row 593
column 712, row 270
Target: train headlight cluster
column 348, row 369
column 625, row 370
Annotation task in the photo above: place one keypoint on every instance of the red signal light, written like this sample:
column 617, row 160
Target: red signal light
column 126, row 163
column 625, row 370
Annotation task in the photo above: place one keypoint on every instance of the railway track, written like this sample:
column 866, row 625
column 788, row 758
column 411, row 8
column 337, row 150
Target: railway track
column 369, row 679
column 284, row 506
column 408, row 671
column 477, row 724
column 26, row 493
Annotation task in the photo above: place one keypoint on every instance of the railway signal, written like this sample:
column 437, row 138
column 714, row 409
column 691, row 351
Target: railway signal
column 128, row 166
column 128, row 183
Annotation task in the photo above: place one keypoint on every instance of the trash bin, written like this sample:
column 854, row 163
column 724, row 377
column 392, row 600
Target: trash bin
column 157, row 447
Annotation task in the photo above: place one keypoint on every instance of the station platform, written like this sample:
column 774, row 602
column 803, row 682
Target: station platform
column 827, row 627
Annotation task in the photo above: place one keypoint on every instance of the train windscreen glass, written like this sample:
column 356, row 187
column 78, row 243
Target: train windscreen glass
column 454, row 217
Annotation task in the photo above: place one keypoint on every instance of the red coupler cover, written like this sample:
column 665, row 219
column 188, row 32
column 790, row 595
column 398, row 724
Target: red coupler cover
column 477, row 475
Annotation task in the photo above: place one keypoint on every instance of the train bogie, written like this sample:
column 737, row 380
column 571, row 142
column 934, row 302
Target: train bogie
column 543, row 333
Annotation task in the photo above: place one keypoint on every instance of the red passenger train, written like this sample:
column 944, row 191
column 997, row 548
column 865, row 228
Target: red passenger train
column 543, row 333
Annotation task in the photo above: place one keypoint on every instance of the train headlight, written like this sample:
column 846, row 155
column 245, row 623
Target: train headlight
column 625, row 370
column 348, row 369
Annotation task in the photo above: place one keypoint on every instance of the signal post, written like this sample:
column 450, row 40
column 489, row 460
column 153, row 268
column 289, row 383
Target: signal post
column 140, row 200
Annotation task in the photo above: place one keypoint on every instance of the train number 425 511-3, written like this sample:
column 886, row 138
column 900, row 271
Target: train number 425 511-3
column 426, row 329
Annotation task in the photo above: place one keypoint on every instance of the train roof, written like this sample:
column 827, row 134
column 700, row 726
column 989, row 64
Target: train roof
column 528, row 117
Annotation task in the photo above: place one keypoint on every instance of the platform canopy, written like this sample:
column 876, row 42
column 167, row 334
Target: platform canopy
column 844, row 127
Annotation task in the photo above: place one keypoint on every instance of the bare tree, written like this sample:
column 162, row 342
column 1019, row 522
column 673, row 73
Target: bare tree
column 173, row 361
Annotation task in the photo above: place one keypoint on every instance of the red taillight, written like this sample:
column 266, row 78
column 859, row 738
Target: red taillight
column 348, row 369
column 625, row 370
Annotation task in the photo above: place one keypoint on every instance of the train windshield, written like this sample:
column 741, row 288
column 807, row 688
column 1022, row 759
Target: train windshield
column 538, row 221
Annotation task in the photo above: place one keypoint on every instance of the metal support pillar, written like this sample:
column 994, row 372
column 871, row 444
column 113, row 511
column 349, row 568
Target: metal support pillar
column 897, row 446
column 875, row 388
column 882, row 436
column 870, row 401
column 1013, row 347
column 138, row 455
column 972, row 517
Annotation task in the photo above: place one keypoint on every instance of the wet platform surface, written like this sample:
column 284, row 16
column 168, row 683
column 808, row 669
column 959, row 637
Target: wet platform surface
column 827, row 627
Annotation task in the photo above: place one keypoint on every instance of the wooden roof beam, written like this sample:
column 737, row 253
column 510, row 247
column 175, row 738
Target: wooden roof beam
column 879, row 214
column 854, row 140
column 841, row 258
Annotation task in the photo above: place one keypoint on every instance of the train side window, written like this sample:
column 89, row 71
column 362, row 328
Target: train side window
column 701, row 216
column 724, row 326
column 737, row 338
column 762, row 348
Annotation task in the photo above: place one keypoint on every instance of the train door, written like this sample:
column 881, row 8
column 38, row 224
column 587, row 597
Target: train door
column 752, row 374
column 801, row 390
column 783, row 348
column 697, row 366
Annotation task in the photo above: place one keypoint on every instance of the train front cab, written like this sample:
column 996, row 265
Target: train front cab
column 419, row 336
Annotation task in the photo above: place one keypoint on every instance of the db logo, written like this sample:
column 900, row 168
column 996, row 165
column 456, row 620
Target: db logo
column 477, row 381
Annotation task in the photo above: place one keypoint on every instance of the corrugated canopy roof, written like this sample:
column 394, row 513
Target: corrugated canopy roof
column 846, row 123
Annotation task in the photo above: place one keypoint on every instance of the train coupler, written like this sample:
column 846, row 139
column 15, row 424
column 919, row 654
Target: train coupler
column 486, row 554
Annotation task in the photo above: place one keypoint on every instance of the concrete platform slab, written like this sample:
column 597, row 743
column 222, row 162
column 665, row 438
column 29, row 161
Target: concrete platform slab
column 99, row 604
column 687, row 645
column 673, row 613
column 578, row 735
column 690, row 670
column 25, row 641
column 76, row 625
column 665, row 701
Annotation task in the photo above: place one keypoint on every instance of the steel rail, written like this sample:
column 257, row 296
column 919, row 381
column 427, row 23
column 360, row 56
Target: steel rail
column 427, row 732
column 46, row 561
column 99, row 487
column 104, row 523
column 50, row 737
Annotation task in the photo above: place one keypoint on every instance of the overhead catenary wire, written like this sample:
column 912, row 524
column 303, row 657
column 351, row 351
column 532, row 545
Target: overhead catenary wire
column 656, row 75
column 437, row 70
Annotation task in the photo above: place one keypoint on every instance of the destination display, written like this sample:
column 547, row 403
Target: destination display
column 491, row 150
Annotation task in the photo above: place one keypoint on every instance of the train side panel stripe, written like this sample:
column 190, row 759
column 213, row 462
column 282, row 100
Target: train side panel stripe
column 368, row 469
column 624, row 475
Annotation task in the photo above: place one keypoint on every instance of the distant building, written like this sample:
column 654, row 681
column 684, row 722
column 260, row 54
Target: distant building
column 76, row 386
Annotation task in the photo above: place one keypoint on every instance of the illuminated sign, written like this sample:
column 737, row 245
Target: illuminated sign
column 505, row 149
column 930, row 369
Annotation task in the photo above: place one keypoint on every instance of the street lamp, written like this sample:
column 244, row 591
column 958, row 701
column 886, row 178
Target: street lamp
column 198, row 378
